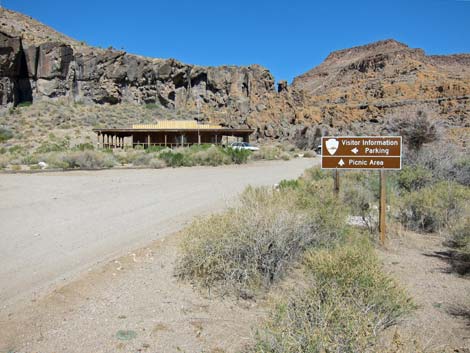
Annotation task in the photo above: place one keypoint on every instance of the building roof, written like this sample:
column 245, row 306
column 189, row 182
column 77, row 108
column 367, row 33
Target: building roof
column 175, row 124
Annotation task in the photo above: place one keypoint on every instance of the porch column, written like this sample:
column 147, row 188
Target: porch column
column 148, row 140
column 182, row 140
column 198, row 137
column 102, row 139
column 98, row 140
column 166, row 140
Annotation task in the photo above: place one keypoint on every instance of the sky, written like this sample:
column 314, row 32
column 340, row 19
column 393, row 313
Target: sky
column 287, row 37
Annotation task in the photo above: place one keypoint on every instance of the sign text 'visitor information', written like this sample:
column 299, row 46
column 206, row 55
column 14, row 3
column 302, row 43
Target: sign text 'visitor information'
column 365, row 152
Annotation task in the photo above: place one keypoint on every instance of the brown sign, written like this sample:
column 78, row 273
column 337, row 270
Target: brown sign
column 370, row 152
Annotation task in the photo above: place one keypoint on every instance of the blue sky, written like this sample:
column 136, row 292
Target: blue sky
column 287, row 37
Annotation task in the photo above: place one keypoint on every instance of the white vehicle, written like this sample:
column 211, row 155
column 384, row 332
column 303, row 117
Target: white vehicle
column 243, row 146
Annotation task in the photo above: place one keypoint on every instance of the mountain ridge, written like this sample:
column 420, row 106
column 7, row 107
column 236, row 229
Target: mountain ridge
column 353, row 90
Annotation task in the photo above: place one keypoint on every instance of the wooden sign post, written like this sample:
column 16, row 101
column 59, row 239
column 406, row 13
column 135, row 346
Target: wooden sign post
column 364, row 152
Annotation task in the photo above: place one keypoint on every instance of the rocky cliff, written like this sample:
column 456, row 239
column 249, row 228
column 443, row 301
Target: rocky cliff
column 354, row 90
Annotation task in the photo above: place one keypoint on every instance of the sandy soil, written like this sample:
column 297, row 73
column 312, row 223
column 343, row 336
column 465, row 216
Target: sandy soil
column 139, row 293
column 55, row 226
column 441, row 322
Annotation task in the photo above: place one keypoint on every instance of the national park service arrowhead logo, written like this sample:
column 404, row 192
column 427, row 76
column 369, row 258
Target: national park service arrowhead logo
column 332, row 146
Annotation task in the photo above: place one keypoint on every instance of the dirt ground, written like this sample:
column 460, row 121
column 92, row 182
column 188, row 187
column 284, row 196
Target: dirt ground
column 136, row 293
column 56, row 226
column 441, row 322
column 139, row 293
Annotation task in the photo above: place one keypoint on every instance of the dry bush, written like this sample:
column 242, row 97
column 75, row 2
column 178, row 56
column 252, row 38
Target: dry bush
column 346, row 301
column 416, row 128
column 433, row 208
column 268, row 152
column 254, row 243
column 4, row 161
column 212, row 156
column 89, row 160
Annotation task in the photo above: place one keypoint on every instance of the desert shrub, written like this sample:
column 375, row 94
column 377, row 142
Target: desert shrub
column 310, row 154
column 84, row 147
column 362, row 203
column 5, row 134
column 345, row 302
column 140, row 159
column 416, row 129
column 253, row 243
column 433, row 208
column 315, row 174
column 88, row 160
column 412, row 178
column 54, row 159
column 268, row 152
column 285, row 156
column 238, row 156
column 212, row 155
column 4, row 161
column 443, row 160
column 30, row 159
column 289, row 184
column 156, row 163
column 462, row 170
column 175, row 159
column 459, row 235
column 153, row 149
column 53, row 146
column 3, row 150
column 17, row 149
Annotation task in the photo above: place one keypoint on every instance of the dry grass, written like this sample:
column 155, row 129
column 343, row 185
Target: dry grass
column 253, row 244
column 345, row 302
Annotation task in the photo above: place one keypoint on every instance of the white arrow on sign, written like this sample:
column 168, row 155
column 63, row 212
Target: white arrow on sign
column 355, row 150
column 341, row 162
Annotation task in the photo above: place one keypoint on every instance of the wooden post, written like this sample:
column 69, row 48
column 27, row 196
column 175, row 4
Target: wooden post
column 98, row 140
column 182, row 140
column 336, row 181
column 165, row 140
column 148, row 141
column 198, row 137
column 383, row 207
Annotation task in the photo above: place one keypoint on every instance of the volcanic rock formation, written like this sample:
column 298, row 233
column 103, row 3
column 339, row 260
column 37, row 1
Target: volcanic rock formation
column 355, row 90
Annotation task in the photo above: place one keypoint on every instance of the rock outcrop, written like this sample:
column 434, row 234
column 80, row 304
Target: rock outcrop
column 356, row 90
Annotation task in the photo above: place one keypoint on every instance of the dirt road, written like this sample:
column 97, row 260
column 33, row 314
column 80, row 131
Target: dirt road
column 54, row 226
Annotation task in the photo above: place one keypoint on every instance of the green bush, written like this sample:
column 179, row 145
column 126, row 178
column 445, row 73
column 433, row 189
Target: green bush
column 84, row 147
column 289, row 184
column 24, row 104
column 434, row 207
column 46, row 147
column 252, row 244
column 5, row 134
column 238, row 156
column 460, row 235
column 175, row 159
column 346, row 301
column 412, row 178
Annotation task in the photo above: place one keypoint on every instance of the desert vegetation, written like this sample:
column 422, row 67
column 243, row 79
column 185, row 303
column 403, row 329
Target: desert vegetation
column 303, row 246
column 298, row 231
column 59, row 134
